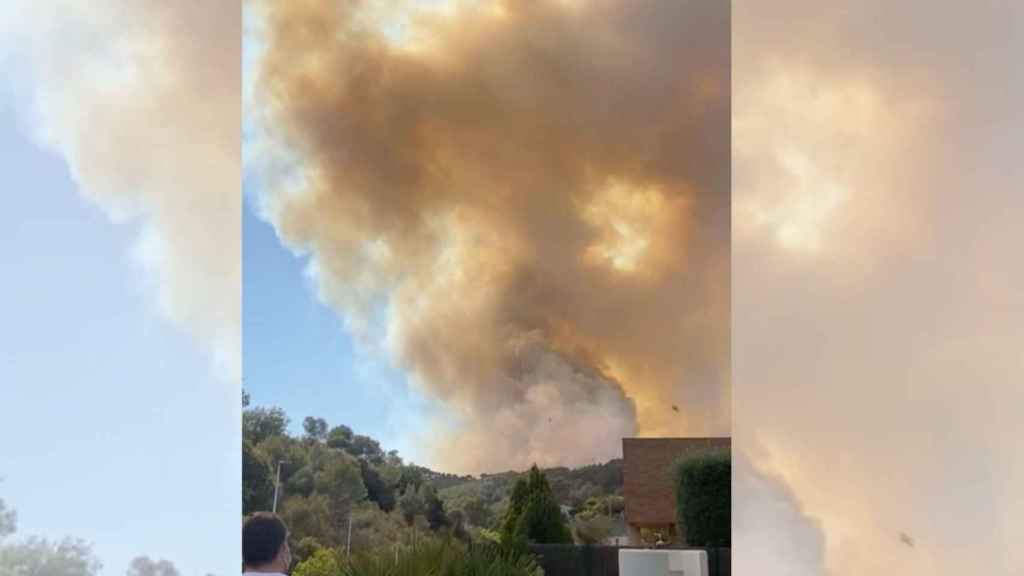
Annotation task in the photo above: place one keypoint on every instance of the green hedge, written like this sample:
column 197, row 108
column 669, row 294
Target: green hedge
column 704, row 499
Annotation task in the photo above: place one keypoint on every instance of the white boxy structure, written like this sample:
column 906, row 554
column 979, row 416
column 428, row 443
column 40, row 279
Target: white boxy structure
column 639, row 562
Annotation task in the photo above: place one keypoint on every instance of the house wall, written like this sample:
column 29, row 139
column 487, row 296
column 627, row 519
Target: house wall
column 648, row 484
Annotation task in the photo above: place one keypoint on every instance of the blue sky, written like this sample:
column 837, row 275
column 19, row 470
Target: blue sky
column 298, row 355
column 114, row 428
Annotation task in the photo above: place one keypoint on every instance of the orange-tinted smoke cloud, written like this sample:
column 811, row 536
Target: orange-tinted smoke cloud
column 537, row 193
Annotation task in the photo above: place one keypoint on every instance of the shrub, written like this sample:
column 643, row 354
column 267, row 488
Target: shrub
column 592, row 528
column 447, row 558
column 323, row 562
column 703, row 496
column 306, row 548
column 491, row 560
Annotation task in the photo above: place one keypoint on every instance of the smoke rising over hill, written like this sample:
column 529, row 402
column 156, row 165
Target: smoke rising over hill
column 532, row 197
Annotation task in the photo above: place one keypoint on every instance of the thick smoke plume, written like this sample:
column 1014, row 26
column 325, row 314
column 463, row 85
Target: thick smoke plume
column 533, row 196
column 877, row 286
column 142, row 100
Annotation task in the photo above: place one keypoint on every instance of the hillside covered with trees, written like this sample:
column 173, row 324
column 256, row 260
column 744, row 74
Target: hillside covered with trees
column 330, row 476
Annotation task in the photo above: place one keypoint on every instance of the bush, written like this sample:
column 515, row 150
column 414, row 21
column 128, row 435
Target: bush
column 492, row 560
column 592, row 528
column 703, row 497
column 323, row 562
column 306, row 548
column 447, row 558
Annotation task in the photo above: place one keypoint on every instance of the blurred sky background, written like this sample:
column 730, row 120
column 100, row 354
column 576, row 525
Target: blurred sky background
column 119, row 412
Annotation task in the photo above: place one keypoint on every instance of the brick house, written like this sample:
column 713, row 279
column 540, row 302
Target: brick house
column 648, row 485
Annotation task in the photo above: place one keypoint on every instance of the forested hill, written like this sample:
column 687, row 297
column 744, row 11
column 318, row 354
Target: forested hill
column 332, row 473
column 572, row 486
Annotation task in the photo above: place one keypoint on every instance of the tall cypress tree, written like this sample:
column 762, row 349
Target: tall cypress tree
column 533, row 513
column 517, row 502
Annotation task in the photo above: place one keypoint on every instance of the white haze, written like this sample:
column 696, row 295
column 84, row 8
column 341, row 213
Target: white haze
column 142, row 100
column 878, row 288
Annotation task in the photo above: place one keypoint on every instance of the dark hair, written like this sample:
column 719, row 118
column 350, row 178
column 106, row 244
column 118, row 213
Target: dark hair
column 263, row 535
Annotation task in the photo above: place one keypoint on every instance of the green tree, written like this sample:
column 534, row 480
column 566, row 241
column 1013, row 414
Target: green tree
column 606, row 505
column 319, row 455
column 411, row 505
column 340, row 437
column 366, row 448
column 476, row 512
column 286, row 450
column 257, row 480
column 579, row 494
column 541, row 522
column 377, row 489
column 373, row 529
column 433, row 507
column 309, row 517
column 8, row 520
column 301, row 483
column 533, row 514
column 616, row 503
column 517, row 503
column 410, row 476
column 457, row 521
column 342, row 484
column 40, row 557
column 315, row 429
column 703, row 497
column 144, row 566
column 258, row 424
column 394, row 459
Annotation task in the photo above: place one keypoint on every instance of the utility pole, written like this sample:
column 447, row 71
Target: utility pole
column 348, row 543
column 277, row 485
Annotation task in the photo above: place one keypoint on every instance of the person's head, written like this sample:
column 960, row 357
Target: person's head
column 265, row 544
